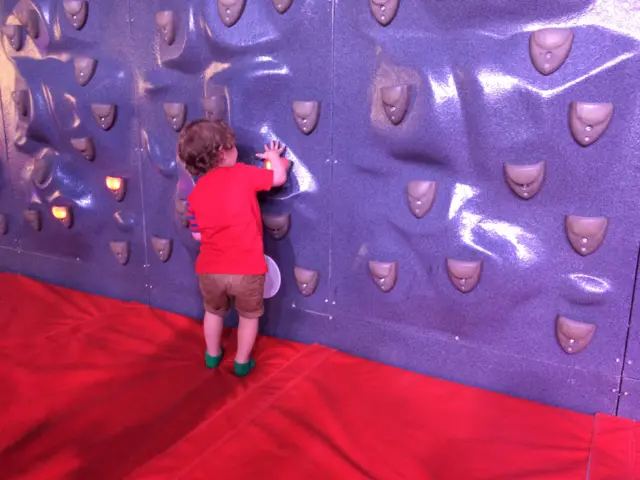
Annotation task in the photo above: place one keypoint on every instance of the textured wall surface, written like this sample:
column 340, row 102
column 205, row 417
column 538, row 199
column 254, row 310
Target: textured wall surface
column 420, row 108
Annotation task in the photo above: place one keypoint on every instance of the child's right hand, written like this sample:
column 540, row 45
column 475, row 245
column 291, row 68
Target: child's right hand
column 273, row 161
column 272, row 152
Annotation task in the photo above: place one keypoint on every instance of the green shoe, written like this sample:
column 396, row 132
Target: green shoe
column 213, row 362
column 243, row 369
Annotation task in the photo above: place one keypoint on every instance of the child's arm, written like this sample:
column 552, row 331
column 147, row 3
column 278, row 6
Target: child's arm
column 271, row 154
column 193, row 226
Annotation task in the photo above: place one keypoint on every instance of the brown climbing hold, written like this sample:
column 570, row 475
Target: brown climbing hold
column 306, row 280
column 384, row 274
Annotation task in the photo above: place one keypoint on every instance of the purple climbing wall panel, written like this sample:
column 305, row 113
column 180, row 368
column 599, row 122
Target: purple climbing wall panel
column 463, row 199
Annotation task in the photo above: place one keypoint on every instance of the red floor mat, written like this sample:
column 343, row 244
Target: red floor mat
column 93, row 388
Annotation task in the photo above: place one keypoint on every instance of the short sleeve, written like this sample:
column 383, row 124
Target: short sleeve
column 260, row 179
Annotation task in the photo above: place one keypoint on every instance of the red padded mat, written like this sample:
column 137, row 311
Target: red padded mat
column 95, row 388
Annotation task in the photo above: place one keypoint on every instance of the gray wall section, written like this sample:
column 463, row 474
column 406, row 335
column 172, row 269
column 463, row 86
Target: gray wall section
column 476, row 102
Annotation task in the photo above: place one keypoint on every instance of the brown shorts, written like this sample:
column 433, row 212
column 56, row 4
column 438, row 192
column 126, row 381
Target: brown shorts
column 247, row 291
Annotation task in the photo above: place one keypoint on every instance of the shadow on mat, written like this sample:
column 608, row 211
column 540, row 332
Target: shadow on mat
column 110, row 428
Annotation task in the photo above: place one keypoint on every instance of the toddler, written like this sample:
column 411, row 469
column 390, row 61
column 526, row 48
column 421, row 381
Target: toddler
column 225, row 218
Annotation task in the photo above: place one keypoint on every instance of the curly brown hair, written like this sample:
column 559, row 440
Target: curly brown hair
column 201, row 143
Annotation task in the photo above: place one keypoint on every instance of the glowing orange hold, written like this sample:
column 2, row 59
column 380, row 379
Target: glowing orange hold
column 285, row 161
column 61, row 213
column 113, row 183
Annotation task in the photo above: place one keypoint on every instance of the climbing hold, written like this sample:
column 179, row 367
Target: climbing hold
column 230, row 11
column 464, row 275
column 306, row 280
column 116, row 186
column 33, row 218
column 14, row 35
column 30, row 20
column 84, row 68
column 104, row 114
column 76, row 12
column 395, row 101
column 421, row 195
column 166, row 23
column 63, row 214
column 42, row 171
column 306, row 114
column 163, row 247
column 277, row 225
column 573, row 336
column 549, row 48
column 121, row 251
column 384, row 274
column 525, row 180
column 4, row 224
column 287, row 164
column 85, row 146
column 384, row 11
column 215, row 107
column 585, row 234
column 588, row 121
column 21, row 99
column 176, row 113
column 282, row 5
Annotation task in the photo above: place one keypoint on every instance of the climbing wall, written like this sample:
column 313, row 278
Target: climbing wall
column 463, row 197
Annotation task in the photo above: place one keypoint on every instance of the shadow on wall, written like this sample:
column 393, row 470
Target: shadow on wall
column 275, row 317
column 156, row 393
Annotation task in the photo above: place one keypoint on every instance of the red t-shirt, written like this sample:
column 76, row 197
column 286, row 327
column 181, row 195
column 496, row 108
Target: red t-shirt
column 224, row 208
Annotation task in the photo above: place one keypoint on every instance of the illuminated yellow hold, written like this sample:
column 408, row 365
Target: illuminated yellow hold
column 61, row 213
column 113, row 183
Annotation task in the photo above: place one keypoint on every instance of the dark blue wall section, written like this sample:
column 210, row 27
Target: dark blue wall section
column 475, row 102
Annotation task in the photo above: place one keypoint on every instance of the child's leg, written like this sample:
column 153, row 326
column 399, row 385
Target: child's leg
column 216, row 305
column 247, row 333
column 213, row 325
column 249, row 292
